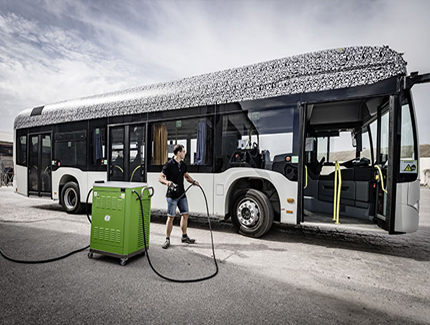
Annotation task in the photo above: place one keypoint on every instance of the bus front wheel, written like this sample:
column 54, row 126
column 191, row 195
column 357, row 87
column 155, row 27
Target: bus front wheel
column 252, row 213
column 70, row 198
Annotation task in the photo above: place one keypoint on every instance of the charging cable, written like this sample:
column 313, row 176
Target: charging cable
column 212, row 240
column 42, row 261
column 50, row 259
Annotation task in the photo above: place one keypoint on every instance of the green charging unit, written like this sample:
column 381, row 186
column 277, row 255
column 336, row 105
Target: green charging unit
column 116, row 227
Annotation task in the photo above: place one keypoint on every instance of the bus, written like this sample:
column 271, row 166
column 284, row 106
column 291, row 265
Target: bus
column 323, row 138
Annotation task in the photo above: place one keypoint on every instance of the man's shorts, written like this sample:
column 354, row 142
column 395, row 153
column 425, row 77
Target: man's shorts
column 182, row 205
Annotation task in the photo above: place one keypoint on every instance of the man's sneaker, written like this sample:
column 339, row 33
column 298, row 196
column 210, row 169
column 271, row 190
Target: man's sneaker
column 166, row 244
column 188, row 240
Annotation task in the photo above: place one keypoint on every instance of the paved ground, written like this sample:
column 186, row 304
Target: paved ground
column 293, row 275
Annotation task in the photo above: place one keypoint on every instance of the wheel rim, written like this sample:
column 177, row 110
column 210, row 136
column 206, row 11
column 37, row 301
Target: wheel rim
column 248, row 212
column 70, row 198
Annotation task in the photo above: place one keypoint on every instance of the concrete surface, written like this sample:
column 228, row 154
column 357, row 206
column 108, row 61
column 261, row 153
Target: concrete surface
column 294, row 275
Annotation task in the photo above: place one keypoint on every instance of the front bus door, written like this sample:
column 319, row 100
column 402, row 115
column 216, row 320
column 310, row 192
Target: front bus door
column 387, row 159
column 127, row 153
column 397, row 157
column 39, row 165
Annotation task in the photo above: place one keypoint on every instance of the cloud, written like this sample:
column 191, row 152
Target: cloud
column 39, row 60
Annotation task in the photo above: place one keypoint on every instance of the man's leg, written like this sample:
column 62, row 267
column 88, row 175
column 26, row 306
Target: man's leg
column 169, row 226
column 171, row 211
column 183, row 208
column 184, row 223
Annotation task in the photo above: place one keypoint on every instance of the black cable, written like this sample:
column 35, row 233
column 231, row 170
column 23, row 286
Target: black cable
column 55, row 258
column 210, row 228
column 86, row 205
column 43, row 261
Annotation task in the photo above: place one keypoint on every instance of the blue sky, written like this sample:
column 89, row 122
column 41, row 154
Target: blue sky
column 54, row 50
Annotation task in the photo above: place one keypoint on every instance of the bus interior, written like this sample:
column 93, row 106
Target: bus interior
column 343, row 144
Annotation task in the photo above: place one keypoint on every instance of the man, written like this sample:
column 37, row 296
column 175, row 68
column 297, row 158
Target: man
column 174, row 172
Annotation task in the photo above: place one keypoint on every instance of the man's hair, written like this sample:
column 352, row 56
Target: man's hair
column 177, row 148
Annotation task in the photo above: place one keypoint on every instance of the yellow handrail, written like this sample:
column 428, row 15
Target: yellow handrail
column 306, row 179
column 337, row 190
column 122, row 171
column 132, row 174
column 381, row 177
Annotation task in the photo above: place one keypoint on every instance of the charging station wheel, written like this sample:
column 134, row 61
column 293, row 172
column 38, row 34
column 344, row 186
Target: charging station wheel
column 90, row 255
column 123, row 261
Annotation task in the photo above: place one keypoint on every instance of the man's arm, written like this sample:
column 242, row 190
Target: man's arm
column 163, row 180
column 190, row 179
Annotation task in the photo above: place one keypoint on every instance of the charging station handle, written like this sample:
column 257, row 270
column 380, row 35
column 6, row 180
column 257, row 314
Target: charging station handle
column 150, row 189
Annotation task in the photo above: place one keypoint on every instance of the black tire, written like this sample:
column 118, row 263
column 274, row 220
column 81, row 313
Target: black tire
column 71, row 198
column 252, row 213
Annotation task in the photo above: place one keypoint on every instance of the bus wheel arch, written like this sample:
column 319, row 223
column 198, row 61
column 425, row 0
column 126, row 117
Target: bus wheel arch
column 70, row 197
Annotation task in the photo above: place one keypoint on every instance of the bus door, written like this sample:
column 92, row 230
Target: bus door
column 319, row 184
column 382, row 166
column 136, row 147
column 39, row 164
column 397, row 166
column 302, row 169
column 127, row 153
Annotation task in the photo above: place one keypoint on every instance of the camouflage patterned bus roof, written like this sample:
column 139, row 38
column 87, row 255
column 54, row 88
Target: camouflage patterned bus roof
column 311, row 72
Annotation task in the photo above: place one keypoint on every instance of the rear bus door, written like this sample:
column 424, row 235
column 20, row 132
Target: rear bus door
column 39, row 166
column 127, row 153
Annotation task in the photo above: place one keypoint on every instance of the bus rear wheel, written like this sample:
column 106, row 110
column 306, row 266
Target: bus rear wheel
column 70, row 198
column 252, row 213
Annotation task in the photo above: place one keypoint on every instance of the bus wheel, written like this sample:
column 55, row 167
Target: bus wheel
column 70, row 198
column 252, row 213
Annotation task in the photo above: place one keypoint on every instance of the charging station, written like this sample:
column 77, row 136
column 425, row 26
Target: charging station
column 116, row 228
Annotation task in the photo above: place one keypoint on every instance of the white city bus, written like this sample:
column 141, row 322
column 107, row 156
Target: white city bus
column 300, row 140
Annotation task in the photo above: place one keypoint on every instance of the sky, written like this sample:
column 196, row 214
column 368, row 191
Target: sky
column 54, row 50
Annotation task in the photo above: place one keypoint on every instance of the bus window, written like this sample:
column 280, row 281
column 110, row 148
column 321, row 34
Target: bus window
column 365, row 145
column 274, row 129
column 341, row 148
column 98, row 146
column 254, row 138
column 22, row 150
column 322, row 150
column 194, row 134
column 385, row 137
column 159, row 144
column 407, row 137
column 408, row 155
column 117, row 163
column 373, row 135
column 69, row 147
